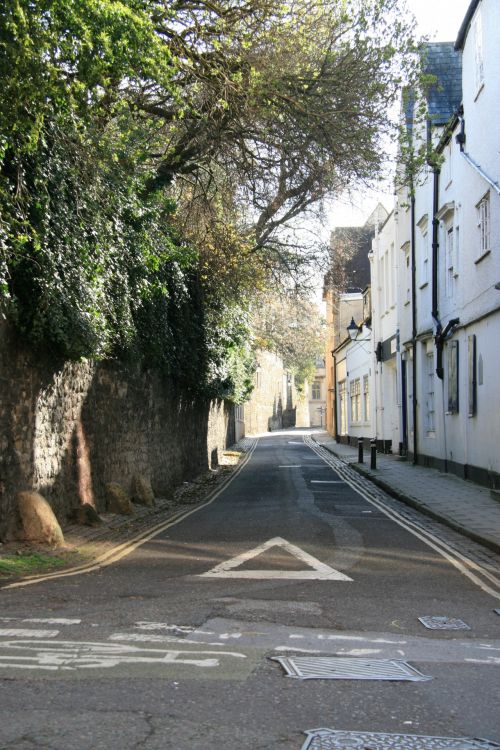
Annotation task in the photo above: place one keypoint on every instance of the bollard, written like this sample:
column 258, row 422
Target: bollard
column 360, row 450
column 373, row 454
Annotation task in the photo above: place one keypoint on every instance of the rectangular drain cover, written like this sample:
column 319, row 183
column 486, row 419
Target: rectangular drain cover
column 328, row 739
column 348, row 668
column 443, row 623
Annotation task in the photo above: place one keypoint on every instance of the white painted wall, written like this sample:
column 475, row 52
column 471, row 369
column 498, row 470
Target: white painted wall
column 471, row 294
column 466, row 277
column 359, row 365
column 389, row 270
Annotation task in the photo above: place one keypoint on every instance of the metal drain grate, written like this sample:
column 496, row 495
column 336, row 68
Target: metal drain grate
column 347, row 668
column 443, row 623
column 328, row 739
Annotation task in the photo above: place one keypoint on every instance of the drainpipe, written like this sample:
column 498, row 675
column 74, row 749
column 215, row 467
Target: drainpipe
column 435, row 265
column 441, row 335
column 414, row 325
column 435, row 247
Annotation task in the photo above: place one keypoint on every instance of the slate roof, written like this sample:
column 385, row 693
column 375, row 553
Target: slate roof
column 357, row 268
column 445, row 96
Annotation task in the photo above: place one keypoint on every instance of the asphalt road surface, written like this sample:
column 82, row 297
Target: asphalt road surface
column 176, row 645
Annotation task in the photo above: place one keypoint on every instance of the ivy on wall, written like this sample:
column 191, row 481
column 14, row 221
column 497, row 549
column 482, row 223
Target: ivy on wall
column 90, row 266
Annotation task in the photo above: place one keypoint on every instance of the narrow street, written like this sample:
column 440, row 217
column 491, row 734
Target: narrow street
column 178, row 645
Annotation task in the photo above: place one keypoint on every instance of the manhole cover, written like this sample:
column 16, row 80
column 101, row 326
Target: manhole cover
column 346, row 668
column 443, row 623
column 328, row 739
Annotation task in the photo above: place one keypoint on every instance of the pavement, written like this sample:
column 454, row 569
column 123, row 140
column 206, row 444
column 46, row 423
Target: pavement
column 460, row 504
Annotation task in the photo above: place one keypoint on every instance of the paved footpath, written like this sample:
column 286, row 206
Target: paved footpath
column 460, row 504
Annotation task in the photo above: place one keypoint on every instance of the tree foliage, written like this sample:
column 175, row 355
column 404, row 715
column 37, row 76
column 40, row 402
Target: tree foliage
column 151, row 153
column 292, row 327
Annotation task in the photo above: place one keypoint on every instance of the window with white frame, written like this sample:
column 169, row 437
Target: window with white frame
column 425, row 260
column 355, row 392
column 383, row 284
column 478, row 52
column 423, row 250
column 392, row 273
column 450, row 261
column 483, row 225
column 452, row 352
column 447, row 168
column 366, row 398
column 406, row 249
column 430, row 410
column 316, row 391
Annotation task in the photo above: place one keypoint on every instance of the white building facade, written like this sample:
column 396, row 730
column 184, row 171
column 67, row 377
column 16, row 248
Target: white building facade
column 354, row 371
column 436, row 269
column 385, row 263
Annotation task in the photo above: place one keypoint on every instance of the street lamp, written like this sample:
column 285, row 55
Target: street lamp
column 352, row 330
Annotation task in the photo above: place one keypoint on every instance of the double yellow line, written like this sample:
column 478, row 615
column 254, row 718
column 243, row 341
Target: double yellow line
column 476, row 573
column 124, row 549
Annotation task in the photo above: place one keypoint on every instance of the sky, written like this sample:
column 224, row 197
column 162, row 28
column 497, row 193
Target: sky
column 440, row 20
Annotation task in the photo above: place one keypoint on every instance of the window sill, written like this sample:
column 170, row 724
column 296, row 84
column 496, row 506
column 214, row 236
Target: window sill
column 431, row 434
column 482, row 257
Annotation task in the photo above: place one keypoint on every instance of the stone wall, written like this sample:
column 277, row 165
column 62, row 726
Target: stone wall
column 66, row 431
column 274, row 403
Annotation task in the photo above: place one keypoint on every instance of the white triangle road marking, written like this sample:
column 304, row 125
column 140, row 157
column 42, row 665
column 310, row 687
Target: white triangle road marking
column 320, row 571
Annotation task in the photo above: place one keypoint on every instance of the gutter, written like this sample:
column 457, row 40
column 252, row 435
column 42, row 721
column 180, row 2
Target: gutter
column 464, row 28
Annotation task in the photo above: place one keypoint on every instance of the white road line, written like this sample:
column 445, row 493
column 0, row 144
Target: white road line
column 25, row 633
column 290, row 466
column 320, row 571
column 73, row 655
column 154, row 638
column 46, row 620
column 455, row 558
column 146, row 625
